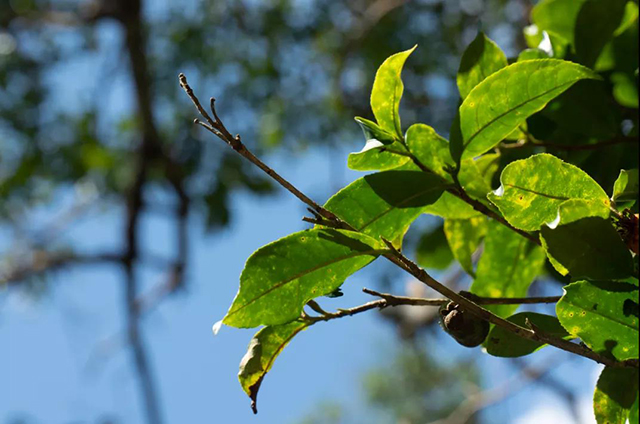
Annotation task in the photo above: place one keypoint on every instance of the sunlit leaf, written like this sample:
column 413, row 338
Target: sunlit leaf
column 604, row 315
column 530, row 54
column 587, row 248
column 507, row 266
column 377, row 157
column 464, row 236
column 430, row 149
column 505, row 99
column 386, row 203
column 387, row 92
column 482, row 58
column 372, row 131
column 533, row 189
column 280, row 278
column 625, row 189
column 615, row 394
column 506, row 344
column 263, row 350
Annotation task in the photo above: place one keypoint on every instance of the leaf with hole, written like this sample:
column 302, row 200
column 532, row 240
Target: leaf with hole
column 533, row 189
column 281, row 277
column 604, row 315
column 263, row 350
column 505, row 99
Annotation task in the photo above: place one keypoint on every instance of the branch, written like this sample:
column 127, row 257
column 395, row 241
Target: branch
column 216, row 127
column 394, row 255
column 418, row 301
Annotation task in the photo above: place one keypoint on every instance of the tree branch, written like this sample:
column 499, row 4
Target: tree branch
column 418, row 301
column 395, row 256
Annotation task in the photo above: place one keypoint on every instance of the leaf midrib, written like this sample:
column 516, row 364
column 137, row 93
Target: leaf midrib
column 303, row 273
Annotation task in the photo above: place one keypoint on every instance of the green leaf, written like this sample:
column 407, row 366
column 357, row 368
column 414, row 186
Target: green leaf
column 263, row 350
column 375, row 157
column 482, row 58
column 557, row 17
column 625, row 189
column 387, row 92
column 625, row 89
column 476, row 174
column 464, row 236
column 587, row 248
column 615, row 394
column 386, row 203
column 533, row 189
column 430, row 149
column 280, row 278
column 432, row 251
column 531, row 54
column 630, row 16
column 372, row 131
column 506, row 344
column 595, row 26
column 505, row 99
column 507, row 266
column 449, row 206
column 604, row 315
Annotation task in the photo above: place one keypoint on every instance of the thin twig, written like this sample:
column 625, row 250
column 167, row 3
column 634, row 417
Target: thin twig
column 418, row 301
column 397, row 258
column 572, row 147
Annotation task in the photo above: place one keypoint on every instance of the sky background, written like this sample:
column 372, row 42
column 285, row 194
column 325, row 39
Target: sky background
column 62, row 360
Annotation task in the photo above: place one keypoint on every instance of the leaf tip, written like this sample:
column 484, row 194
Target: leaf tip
column 499, row 191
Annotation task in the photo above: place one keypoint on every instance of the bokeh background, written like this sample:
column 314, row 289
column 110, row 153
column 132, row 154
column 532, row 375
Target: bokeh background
column 124, row 227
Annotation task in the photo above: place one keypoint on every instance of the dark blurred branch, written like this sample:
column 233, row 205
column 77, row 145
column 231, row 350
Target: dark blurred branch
column 42, row 262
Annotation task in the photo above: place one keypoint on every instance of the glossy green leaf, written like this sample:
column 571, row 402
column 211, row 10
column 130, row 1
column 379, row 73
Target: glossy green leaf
column 482, row 58
column 464, row 236
column 532, row 190
column 433, row 251
column 615, row 394
column 280, row 278
column 263, row 350
column 595, row 26
column 376, row 157
column 557, row 17
column 507, row 266
column 387, row 92
column 604, row 315
column 531, row 54
column 506, row 344
column 430, row 149
column 505, row 99
column 386, row 203
column 625, row 189
column 587, row 248
column 372, row 131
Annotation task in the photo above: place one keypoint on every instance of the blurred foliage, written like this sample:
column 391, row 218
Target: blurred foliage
column 268, row 63
column 414, row 387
